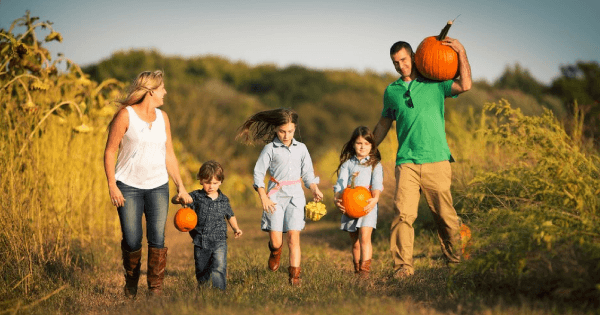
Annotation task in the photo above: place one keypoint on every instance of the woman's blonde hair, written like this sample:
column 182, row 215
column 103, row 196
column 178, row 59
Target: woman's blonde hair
column 143, row 83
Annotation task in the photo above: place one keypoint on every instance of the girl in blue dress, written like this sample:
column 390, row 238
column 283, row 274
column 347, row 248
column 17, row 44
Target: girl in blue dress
column 360, row 158
column 289, row 164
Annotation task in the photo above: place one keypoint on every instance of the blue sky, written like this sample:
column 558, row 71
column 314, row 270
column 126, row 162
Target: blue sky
column 539, row 35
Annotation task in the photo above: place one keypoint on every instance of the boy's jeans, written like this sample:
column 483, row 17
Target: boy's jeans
column 154, row 203
column 211, row 264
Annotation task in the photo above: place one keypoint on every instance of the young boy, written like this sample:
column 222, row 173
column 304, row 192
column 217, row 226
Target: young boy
column 210, row 234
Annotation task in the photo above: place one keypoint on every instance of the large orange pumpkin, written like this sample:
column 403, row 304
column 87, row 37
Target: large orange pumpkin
column 185, row 219
column 436, row 61
column 465, row 240
column 354, row 200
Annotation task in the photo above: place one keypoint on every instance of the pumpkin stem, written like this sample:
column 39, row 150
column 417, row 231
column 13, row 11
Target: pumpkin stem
column 352, row 179
column 444, row 31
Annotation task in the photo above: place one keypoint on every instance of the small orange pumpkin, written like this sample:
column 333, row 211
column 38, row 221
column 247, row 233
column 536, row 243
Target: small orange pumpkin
column 354, row 199
column 436, row 61
column 465, row 240
column 185, row 219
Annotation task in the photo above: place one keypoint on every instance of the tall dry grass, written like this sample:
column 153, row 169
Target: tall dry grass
column 54, row 213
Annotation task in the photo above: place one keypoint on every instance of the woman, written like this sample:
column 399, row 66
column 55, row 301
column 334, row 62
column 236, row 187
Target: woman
column 139, row 184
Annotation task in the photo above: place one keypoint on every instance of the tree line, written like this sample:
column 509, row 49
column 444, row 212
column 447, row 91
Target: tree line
column 209, row 96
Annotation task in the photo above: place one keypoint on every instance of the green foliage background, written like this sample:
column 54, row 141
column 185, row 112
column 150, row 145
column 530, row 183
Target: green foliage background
column 538, row 214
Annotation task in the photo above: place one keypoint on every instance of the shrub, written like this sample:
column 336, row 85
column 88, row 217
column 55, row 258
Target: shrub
column 537, row 217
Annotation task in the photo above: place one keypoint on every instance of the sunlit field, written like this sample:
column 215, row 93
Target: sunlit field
column 526, row 181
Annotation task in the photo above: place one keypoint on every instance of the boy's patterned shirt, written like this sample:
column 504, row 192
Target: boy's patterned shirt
column 211, row 226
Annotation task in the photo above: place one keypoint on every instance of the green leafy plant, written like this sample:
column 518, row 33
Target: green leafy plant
column 537, row 217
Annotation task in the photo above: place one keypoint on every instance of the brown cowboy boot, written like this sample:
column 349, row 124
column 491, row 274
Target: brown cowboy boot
column 132, row 264
column 365, row 268
column 274, row 257
column 356, row 267
column 157, row 261
column 295, row 276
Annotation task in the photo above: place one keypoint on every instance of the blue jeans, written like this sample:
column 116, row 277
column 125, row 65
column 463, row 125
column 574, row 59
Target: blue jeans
column 154, row 203
column 211, row 264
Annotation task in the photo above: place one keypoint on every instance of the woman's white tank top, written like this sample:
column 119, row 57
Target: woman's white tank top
column 141, row 162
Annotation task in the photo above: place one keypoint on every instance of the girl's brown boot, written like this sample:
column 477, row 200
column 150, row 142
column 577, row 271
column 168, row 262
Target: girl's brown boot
column 274, row 257
column 295, row 276
column 365, row 269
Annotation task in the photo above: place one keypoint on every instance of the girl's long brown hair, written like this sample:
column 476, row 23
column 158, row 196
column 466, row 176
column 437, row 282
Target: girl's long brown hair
column 261, row 126
column 348, row 149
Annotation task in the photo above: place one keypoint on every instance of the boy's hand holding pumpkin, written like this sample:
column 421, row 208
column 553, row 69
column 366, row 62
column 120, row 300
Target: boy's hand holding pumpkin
column 176, row 201
column 184, row 198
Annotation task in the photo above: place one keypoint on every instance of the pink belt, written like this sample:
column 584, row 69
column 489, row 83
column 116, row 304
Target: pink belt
column 282, row 183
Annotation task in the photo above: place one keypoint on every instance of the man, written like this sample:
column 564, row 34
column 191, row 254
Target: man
column 423, row 159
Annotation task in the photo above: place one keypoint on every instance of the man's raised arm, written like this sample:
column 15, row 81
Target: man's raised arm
column 464, row 81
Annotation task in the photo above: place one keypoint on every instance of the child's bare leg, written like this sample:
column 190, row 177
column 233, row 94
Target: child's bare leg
column 275, row 242
column 366, row 248
column 355, row 250
column 276, row 238
column 293, row 239
column 366, row 251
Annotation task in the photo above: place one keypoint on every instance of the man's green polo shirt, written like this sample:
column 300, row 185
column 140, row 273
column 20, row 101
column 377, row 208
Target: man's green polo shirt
column 420, row 127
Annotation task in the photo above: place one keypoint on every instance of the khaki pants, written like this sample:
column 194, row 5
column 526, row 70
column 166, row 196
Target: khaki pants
column 433, row 179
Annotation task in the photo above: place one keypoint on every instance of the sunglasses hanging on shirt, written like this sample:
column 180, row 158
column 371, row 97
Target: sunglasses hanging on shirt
column 409, row 102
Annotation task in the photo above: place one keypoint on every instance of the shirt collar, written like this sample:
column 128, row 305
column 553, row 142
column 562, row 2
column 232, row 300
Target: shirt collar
column 278, row 143
column 405, row 84
column 400, row 82
column 363, row 160
column 205, row 195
